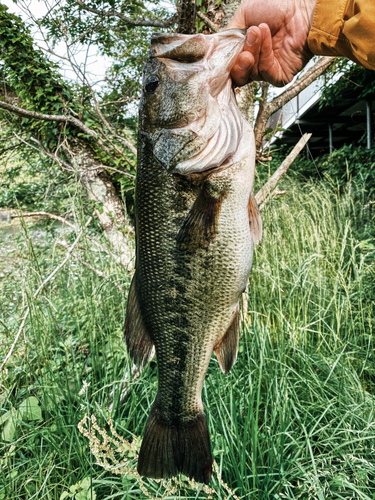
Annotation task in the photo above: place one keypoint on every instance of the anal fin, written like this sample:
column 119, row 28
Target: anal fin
column 255, row 220
column 226, row 349
column 199, row 229
column 138, row 341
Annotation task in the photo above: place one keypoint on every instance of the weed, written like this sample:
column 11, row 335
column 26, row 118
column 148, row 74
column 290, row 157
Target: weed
column 293, row 420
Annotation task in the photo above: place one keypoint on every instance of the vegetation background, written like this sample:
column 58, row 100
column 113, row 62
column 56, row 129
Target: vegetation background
column 295, row 417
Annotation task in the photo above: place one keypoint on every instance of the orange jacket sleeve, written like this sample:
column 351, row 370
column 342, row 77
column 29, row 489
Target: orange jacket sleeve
column 344, row 28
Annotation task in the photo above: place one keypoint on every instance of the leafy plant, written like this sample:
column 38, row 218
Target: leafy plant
column 28, row 410
column 83, row 490
column 293, row 420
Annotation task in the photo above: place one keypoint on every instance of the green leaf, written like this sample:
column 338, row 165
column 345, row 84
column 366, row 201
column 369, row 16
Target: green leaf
column 4, row 417
column 30, row 409
column 9, row 429
column 86, row 483
column 86, row 495
column 65, row 494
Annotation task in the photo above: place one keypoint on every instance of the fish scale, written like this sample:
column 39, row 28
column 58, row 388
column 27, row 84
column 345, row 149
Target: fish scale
column 194, row 243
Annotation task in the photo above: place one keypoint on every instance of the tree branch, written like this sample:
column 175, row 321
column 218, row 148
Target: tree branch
column 274, row 193
column 50, row 118
column 61, row 118
column 43, row 149
column 311, row 75
column 157, row 23
column 262, row 116
column 209, row 23
column 266, row 109
column 45, row 214
column 267, row 189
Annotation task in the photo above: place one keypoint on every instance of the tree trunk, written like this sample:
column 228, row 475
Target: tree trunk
column 186, row 17
column 109, row 208
column 230, row 8
column 245, row 99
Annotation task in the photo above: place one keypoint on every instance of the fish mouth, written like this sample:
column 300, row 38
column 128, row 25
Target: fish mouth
column 211, row 139
column 214, row 53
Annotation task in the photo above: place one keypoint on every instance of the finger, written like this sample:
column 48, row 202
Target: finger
column 269, row 66
column 253, row 44
column 246, row 66
column 242, row 68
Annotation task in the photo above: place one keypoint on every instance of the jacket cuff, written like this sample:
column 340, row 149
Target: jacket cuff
column 327, row 27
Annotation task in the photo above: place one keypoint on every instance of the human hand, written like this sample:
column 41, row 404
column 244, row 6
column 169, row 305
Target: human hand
column 276, row 47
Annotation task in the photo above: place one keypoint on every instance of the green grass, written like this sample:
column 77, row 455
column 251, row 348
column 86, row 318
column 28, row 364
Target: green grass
column 293, row 420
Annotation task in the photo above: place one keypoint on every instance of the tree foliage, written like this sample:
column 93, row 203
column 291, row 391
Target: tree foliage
column 356, row 81
column 75, row 129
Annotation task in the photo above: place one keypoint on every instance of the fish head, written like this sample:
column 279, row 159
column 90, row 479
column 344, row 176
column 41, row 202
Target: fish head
column 186, row 90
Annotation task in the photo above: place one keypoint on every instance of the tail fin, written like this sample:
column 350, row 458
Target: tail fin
column 169, row 449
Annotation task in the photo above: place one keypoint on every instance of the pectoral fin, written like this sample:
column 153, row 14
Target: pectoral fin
column 199, row 229
column 255, row 220
column 226, row 349
column 138, row 341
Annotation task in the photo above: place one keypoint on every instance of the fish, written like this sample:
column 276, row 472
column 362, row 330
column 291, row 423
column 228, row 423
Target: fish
column 196, row 220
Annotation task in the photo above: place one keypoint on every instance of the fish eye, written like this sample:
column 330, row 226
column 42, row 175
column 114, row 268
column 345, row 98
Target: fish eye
column 152, row 84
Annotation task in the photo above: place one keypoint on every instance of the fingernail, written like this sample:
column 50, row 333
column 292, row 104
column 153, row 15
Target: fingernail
column 251, row 37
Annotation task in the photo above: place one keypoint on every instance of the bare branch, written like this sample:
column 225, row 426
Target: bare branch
column 10, row 147
column 51, row 118
column 45, row 214
column 209, row 23
column 128, row 144
column 262, row 116
column 43, row 149
column 120, row 101
column 310, row 76
column 266, row 109
column 62, row 118
column 105, row 122
column 265, row 191
column 274, row 193
column 157, row 23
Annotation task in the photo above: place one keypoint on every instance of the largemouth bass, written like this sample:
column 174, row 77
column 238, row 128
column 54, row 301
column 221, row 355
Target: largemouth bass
column 196, row 221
